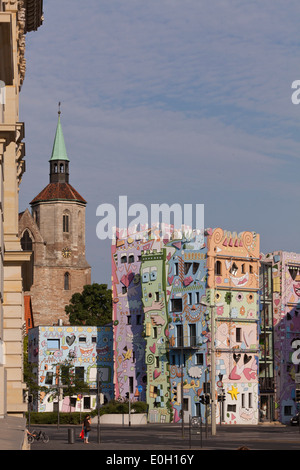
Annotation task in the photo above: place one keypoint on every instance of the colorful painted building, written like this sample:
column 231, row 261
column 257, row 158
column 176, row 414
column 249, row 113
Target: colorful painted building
column 88, row 350
column 130, row 375
column 189, row 329
column 232, row 292
column 184, row 286
column 286, row 331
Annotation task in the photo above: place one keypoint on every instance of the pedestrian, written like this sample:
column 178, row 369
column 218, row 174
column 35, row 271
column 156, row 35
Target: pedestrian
column 86, row 428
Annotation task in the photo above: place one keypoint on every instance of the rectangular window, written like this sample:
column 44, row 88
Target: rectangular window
column 53, row 344
column 64, row 374
column 243, row 400
column 79, row 373
column 87, row 403
column 231, row 408
column 176, row 269
column 197, row 297
column 156, row 361
column 250, row 400
column 179, row 334
column 192, row 331
column 130, row 384
column 157, row 296
column 185, row 404
column 49, row 378
column 189, row 298
column 287, row 410
column 176, row 305
column 139, row 319
column 199, row 359
column 238, row 335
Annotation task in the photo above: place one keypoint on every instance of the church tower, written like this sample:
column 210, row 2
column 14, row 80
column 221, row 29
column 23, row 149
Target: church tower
column 55, row 233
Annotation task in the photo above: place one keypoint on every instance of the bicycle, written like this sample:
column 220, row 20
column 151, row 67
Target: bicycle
column 41, row 436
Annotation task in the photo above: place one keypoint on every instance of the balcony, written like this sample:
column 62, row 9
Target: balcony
column 186, row 342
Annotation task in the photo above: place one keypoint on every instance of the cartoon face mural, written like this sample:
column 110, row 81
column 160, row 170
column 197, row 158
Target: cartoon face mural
column 86, row 349
column 189, row 331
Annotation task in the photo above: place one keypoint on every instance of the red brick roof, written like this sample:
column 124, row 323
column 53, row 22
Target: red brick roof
column 58, row 191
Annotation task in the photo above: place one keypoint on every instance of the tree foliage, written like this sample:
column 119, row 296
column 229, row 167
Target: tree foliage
column 92, row 307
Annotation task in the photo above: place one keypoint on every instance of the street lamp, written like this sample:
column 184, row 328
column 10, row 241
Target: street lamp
column 98, row 404
column 213, row 365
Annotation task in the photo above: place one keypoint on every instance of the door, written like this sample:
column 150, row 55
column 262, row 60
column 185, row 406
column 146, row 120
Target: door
column 186, row 409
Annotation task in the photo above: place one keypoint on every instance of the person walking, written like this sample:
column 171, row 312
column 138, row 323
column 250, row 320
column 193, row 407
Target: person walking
column 86, row 428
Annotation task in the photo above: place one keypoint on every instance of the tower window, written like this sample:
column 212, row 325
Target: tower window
column 67, row 281
column 65, row 223
column 61, row 168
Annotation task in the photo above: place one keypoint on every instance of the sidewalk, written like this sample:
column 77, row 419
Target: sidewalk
column 13, row 434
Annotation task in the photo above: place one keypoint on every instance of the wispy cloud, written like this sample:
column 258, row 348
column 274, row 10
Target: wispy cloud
column 171, row 101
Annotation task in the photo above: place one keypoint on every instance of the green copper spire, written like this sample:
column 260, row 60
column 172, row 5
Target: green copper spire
column 59, row 151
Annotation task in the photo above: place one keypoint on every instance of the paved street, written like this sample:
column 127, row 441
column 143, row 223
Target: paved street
column 155, row 437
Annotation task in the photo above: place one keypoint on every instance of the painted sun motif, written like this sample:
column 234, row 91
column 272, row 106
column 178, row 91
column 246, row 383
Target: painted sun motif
column 233, row 392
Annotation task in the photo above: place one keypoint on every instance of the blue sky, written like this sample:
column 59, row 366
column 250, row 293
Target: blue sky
column 170, row 101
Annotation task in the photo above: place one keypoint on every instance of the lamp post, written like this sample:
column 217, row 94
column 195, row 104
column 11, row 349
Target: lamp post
column 213, row 365
column 98, row 404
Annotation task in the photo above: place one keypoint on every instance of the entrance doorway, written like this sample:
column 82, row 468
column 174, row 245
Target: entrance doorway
column 267, row 407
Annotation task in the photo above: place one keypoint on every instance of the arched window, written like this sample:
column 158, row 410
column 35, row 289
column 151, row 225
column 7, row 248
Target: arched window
column 26, row 242
column 67, row 281
column 61, row 168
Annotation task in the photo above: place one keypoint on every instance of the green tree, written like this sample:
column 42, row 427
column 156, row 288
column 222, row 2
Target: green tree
column 93, row 307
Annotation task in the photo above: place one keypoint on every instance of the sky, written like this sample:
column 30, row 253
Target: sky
column 169, row 101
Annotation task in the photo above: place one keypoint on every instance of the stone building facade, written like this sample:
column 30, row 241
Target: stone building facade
column 17, row 18
column 54, row 232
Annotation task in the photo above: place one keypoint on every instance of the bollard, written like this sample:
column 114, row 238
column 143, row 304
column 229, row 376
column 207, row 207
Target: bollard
column 71, row 436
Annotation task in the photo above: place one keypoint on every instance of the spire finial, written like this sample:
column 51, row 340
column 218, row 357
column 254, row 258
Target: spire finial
column 59, row 111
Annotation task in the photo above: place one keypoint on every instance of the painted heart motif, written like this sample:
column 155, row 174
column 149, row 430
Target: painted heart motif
column 70, row 340
column 277, row 302
column 156, row 374
column 247, row 358
column 236, row 357
column 153, row 348
column 170, row 280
